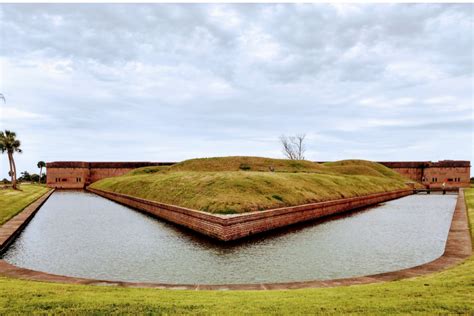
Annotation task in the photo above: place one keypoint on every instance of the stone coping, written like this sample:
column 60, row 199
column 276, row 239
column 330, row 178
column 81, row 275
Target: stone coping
column 458, row 248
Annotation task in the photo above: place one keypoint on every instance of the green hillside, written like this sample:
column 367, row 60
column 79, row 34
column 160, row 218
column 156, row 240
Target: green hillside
column 228, row 185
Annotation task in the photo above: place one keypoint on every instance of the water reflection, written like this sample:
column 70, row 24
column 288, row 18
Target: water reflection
column 81, row 234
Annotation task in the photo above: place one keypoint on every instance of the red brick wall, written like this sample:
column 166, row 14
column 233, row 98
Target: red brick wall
column 454, row 173
column 453, row 177
column 435, row 176
column 79, row 174
column 231, row 227
column 67, row 178
column 414, row 174
column 98, row 174
column 414, row 170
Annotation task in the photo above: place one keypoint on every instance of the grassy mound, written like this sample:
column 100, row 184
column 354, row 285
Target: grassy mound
column 229, row 185
column 361, row 167
column 239, row 163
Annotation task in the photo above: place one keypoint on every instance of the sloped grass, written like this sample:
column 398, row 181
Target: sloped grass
column 469, row 196
column 232, row 189
column 238, row 163
column 361, row 167
column 447, row 292
column 219, row 192
column 13, row 201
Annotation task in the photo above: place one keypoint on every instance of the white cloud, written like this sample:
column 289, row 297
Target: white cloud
column 414, row 72
column 12, row 114
column 445, row 99
column 383, row 102
column 168, row 82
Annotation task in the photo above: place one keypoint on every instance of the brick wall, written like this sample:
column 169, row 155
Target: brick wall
column 79, row 174
column 232, row 227
column 454, row 173
column 431, row 174
column 67, row 178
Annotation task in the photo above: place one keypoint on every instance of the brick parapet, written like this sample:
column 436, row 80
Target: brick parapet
column 236, row 226
column 79, row 174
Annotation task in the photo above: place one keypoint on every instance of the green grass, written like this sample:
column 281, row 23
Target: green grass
column 242, row 184
column 447, row 292
column 13, row 201
column 469, row 196
column 237, row 163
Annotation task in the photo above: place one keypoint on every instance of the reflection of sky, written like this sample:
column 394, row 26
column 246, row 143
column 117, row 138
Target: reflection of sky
column 84, row 235
column 171, row 82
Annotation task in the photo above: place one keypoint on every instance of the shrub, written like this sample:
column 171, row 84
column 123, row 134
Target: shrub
column 277, row 197
column 244, row 166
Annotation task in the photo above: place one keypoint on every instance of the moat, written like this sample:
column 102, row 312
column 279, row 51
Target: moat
column 80, row 234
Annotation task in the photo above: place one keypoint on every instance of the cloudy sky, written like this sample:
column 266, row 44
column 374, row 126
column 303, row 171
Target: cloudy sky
column 171, row 82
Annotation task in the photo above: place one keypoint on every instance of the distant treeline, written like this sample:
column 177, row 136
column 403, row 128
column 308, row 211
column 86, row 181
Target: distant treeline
column 27, row 177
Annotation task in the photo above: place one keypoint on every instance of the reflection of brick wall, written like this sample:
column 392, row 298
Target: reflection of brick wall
column 78, row 174
column 232, row 227
column 454, row 173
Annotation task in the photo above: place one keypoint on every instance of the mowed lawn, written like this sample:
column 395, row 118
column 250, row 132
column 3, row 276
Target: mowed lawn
column 450, row 291
column 13, row 201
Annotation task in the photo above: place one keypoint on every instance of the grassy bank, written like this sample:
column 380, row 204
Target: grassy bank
column 450, row 291
column 469, row 195
column 242, row 184
column 13, row 201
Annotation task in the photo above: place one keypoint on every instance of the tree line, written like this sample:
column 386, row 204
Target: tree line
column 10, row 145
column 293, row 148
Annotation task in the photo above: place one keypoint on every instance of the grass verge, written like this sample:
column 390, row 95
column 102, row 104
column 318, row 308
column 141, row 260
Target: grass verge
column 446, row 292
column 13, row 201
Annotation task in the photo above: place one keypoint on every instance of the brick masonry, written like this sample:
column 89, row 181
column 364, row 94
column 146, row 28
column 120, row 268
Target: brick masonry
column 458, row 248
column 232, row 227
column 79, row 174
column 453, row 173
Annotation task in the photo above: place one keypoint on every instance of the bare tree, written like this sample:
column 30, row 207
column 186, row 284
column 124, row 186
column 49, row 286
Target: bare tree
column 293, row 146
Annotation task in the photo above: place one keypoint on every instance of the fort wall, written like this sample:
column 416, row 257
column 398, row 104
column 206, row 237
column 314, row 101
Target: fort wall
column 453, row 173
column 79, row 174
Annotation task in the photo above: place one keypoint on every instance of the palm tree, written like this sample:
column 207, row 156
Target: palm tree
column 9, row 144
column 41, row 165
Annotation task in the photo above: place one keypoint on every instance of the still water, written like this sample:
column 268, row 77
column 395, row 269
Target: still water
column 81, row 234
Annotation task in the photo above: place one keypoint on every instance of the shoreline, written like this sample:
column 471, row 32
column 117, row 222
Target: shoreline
column 458, row 248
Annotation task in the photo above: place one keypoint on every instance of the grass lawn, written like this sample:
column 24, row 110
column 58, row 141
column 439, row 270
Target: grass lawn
column 450, row 291
column 229, row 185
column 13, row 201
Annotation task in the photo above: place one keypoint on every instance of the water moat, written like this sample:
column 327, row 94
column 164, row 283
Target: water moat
column 83, row 235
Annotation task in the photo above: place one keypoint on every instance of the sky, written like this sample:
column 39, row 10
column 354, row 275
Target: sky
column 164, row 82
